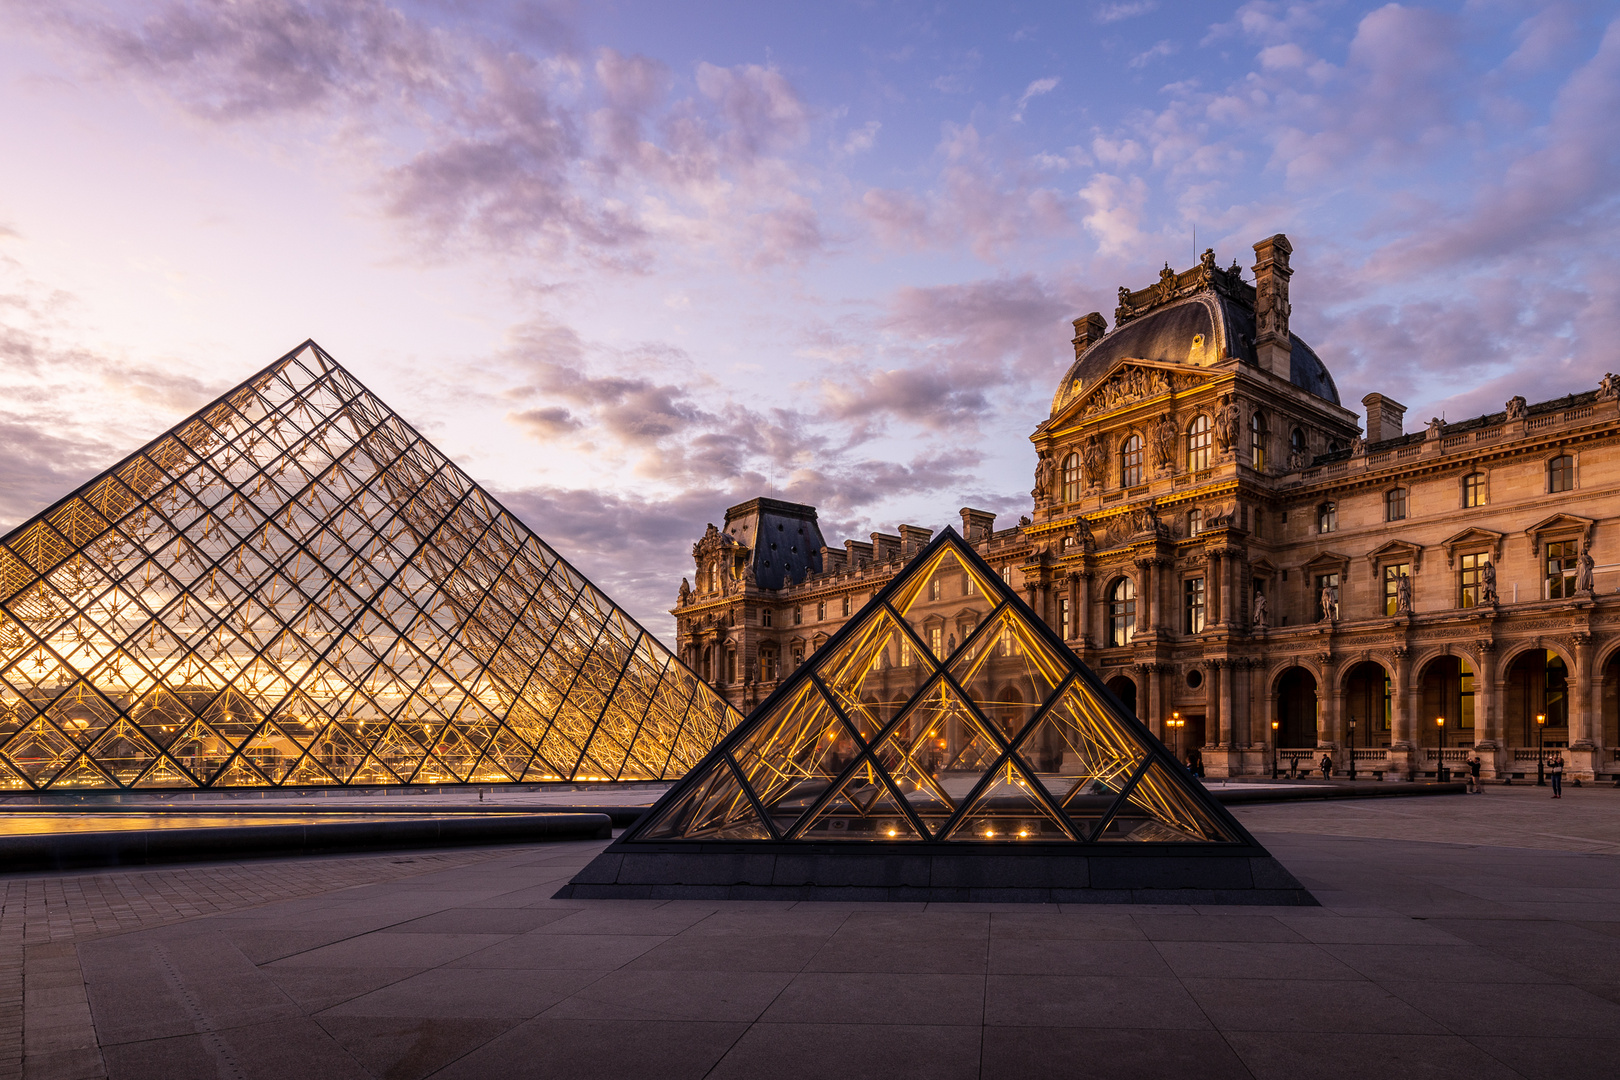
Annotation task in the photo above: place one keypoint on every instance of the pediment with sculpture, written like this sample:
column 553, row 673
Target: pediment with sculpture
column 1129, row 384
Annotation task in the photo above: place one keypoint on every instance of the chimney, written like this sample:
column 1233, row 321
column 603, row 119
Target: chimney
column 913, row 538
column 1087, row 331
column 1272, row 346
column 1384, row 417
column 977, row 525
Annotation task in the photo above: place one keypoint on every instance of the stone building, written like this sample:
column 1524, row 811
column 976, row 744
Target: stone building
column 1251, row 569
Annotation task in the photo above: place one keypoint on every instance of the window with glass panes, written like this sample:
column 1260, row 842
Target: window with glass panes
column 1192, row 605
column 844, row 604
column 821, row 610
column 1327, row 517
column 1471, row 577
column 1063, row 617
column 1195, row 521
column 1561, row 473
column 1563, row 557
column 936, row 640
column 1393, row 572
column 1395, row 504
column 1474, row 489
column 1122, row 612
column 1200, row 444
column 1130, row 462
column 1071, row 478
column 1257, row 442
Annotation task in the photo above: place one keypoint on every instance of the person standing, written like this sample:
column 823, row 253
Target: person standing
column 1327, row 767
column 1555, row 769
column 1473, row 774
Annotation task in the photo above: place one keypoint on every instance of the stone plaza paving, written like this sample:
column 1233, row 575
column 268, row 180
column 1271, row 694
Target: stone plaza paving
column 1459, row 936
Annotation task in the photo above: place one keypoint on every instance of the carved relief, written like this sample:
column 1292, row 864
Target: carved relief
column 1132, row 384
column 1173, row 286
column 1164, row 441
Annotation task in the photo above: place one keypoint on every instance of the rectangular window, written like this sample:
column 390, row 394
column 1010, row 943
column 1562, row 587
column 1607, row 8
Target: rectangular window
column 846, row 607
column 905, row 651
column 798, row 655
column 1327, row 517
column 767, row 665
column 967, row 585
column 1562, row 559
column 1561, row 473
column 1395, row 505
column 1063, row 617
column 1006, row 573
column 798, row 616
column 1472, row 578
column 936, row 643
column 1195, row 522
column 1474, row 490
column 1200, row 444
column 765, row 617
column 821, row 610
column 1393, row 573
column 1192, row 592
column 935, row 589
column 1327, row 594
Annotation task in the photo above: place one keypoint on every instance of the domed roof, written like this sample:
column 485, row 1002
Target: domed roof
column 1195, row 331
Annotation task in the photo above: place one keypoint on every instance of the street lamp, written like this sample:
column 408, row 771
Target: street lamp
column 1441, row 773
column 1174, row 723
column 1274, row 749
column 1352, row 751
column 1541, row 759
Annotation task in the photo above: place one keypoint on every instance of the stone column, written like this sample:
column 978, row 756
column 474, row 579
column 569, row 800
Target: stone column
column 1581, row 735
column 1331, row 736
column 1083, row 611
column 1149, row 703
column 1075, row 629
column 1212, row 588
column 1487, row 704
column 1228, row 671
column 1401, row 742
column 1144, row 596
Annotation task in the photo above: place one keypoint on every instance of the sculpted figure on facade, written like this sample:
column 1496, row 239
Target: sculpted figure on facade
column 1092, row 459
column 1164, row 442
column 1434, row 428
column 1487, row 587
column 686, row 592
column 1045, row 473
column 1609, row 388
column 1583, row 569
column 1227, row 423
column 1516, row 408
column 1403, row 595
column 1330, row 604
column 1259, row 610
column 1358, row 446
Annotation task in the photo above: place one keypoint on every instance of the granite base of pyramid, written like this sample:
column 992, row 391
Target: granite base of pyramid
column 938, row 874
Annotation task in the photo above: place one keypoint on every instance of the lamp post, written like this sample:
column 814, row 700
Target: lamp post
column 1541, row 758
column 1352, row 751
column 1274, row 749
column 1441, row 773
column 1174, row 724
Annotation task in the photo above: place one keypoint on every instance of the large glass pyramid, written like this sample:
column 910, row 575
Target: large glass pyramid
column 294, row 588
column 945, row 712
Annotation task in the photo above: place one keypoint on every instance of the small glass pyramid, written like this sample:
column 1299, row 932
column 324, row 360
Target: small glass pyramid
column 944, row 711
column 294, row 588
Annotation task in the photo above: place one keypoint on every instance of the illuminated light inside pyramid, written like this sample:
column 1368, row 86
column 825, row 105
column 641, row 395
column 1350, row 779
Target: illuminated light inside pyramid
column 294, row 588
column 942, row 712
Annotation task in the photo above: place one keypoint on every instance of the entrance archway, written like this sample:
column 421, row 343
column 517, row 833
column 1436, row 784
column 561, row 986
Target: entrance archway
column 1296, row 709
column 1367, row 704
column 1537, row 683
column 1447, row 689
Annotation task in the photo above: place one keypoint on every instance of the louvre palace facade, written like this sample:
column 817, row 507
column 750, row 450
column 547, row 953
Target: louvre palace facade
column 1254, row 569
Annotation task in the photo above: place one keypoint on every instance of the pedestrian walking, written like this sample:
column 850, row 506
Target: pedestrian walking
column 1473, row 774
column 1195, row 762
column 1327, row 767
column 1555, row 769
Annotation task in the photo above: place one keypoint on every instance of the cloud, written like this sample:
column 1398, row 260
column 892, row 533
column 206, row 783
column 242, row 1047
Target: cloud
column 1157, row 51
column 1130, row 9
column 1033, row 90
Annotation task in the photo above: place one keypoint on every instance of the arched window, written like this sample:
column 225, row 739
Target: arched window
column 1200, row 444
column 1395, row 504
column 1122, row 612
column 1473, row 489
column 1257, row 442
column 1561, row 473
column 1071, row 478
column 1130, row 462
column 1296, row 450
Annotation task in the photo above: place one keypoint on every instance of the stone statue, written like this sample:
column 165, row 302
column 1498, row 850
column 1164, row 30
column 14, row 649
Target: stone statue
column 1259, row 609
column 1609, row 387
column 1164, row 441
column 1358, row 446
column 1023, row 521
column 1092, row 457
column 1434, row 428
column 1045, row 473
column 1297, row 460
column 1487, row 588
column 686, row 591
column 1226, row 427
column 1516, row 407
column 1403, row 595
column 1583, row 569
column 1330, row 604
column 749, row 575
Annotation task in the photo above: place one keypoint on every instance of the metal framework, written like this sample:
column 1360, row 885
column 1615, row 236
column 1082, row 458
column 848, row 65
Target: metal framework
column 946, row 711
column 292, row 588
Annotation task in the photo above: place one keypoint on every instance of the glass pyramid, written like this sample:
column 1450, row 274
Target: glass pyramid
column 945, row 711
column 293, row 588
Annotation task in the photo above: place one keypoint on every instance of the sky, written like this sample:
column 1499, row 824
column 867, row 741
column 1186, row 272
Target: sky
column 631, row 263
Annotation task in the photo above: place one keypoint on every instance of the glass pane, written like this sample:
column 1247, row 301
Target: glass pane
column 795, row 754
column 943, row 595
column 874, row 673
column 1160, row 809
column 717, row 810
column 1083, row 754
column 947, row 743
column 1009, row 673
column 1009, row 810
column 863, row 809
